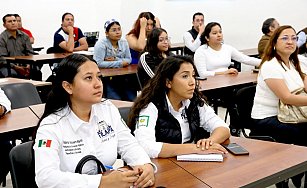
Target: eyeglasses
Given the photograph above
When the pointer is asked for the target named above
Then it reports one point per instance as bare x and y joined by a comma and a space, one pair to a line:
166, 39
286, 38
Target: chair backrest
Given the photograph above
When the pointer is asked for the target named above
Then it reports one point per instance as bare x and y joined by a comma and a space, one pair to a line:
21, 94
240, 112
91, 38
241, 107
22, 163
124, 112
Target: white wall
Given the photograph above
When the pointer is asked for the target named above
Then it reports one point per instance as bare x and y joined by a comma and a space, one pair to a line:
241, 20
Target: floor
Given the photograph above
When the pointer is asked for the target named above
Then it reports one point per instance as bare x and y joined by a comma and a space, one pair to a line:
221, 113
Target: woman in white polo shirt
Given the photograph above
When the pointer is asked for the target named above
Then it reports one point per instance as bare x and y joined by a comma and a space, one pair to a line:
76, 123
280, 73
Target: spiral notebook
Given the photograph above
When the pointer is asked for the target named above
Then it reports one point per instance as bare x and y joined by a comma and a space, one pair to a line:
199, 157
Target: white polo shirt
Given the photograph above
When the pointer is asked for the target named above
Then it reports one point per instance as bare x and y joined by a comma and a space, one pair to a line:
145, 127
63, 139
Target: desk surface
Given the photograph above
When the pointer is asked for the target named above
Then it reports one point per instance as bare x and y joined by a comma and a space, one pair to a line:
41, 57
221, 81
38, 109
4, 81
250, 51
17, 119
267, 164
171, 175
131, 69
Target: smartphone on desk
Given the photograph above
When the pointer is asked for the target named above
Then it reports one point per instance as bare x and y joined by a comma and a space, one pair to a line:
235, 149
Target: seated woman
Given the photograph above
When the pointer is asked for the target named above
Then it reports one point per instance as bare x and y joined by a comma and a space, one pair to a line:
77, 122
214, 57
137, 37
280, 73
170, 111
156, 50
113, 52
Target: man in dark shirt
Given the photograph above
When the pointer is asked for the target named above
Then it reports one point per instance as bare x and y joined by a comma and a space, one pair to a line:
16, 43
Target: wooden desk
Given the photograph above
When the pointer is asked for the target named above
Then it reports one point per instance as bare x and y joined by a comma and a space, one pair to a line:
177, 47
267, 164
171, 175
250, 52
18, 123
222, 81
38, 109
4, 81
35, 59
130, 69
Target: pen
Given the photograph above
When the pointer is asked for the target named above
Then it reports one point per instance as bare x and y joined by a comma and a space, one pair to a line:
109, 167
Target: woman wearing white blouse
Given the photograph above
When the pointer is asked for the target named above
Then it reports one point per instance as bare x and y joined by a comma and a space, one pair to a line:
214, 57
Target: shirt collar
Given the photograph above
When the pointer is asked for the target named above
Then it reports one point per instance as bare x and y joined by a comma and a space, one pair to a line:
76, 122
185, 103
10, 35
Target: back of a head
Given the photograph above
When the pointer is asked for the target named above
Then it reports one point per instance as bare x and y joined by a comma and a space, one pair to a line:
266, 25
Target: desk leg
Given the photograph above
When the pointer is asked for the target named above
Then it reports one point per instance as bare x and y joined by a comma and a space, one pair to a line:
8, 66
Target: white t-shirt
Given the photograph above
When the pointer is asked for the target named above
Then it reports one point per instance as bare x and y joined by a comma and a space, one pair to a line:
63, 139
265, 101
190, 43
208, 61
145, 127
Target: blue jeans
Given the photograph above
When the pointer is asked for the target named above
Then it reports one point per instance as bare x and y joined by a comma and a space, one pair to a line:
281, 132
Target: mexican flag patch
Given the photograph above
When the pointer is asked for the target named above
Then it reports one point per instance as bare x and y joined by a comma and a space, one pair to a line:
44, 143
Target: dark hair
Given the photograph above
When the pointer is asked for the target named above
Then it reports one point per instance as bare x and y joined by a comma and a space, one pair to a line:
65, 14
152, 41
270, 51
110, 25
137, 26
207, 31
58, 98
197, 14
17, 15
266, 25
156, 89
7, 15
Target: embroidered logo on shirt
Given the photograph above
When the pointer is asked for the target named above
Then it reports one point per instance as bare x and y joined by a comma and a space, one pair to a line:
143, 121
105, 131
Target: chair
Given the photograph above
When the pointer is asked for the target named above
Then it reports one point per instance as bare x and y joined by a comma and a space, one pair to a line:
240, 113
91, 38
21, 94
124, 112
22, 163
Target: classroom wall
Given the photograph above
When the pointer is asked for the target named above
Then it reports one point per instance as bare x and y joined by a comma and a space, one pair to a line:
241, 20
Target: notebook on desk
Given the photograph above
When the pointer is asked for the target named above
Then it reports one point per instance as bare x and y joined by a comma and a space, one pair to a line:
199, 157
